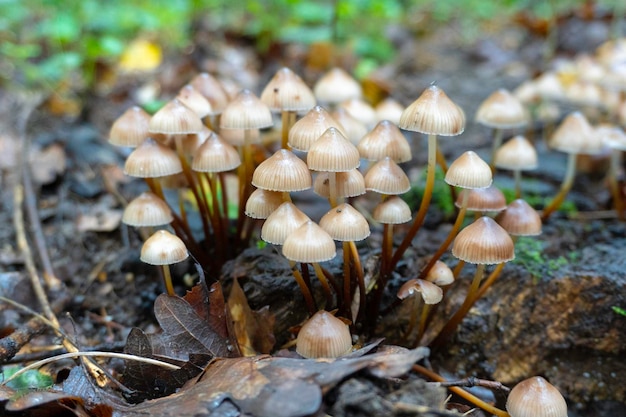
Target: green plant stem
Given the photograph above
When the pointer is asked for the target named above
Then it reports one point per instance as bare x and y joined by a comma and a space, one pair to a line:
462, 393
304, 289
453, 232
421, 214
568, 181
454, 321
167, 279
618, 202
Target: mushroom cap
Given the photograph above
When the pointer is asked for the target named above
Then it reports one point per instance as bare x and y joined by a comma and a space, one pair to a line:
469, 171
286, 91
576, 136
483, 242
352, 128
430, 292
502, 110
344, 223
536, 397
282, 222
393, 210
238, 137
520, 219
349, 184
175, 119
516, 154
386, 177
360, 110
163, 248
440, 274
147, 210
336, 86
323, 336
130, 129
193, 99
151, 160
385, 140
283, 172
309, 243
332, 152
212, 90
433, 113
262, 203
246, 111
612, 136
482, 199
389, 109
310, 127
215, 155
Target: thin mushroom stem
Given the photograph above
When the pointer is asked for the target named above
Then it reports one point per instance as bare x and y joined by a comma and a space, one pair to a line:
347, 279
568, 181
167, 279
457, 269
421, 214
360, 279
304, 289
441, 161
245, 179
497, 141
288, 118
618, 202
332, 188
453, 232
422, 324
454, 321
325, 286
517, 175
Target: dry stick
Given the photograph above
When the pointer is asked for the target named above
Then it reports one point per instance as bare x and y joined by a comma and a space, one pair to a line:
462, 393
568, 181
43, 354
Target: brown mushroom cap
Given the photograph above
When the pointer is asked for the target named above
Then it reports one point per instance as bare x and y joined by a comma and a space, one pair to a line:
351, 128
152, 160
386, 177
516, 154
212, 90
336, 86
389, 109
323, 336
520, 219
193, 99
482, 199
483, 242
344, 223
469, 171
282, 222
175, 119
536, 397
262, 203
433, 113
393, 210
349, 184
502, 110
215, 155
283, 172
385, 140
332, 152
163, 248
440, 274
147, 210
361, 111
309, 128
246, 111
310, 244
131, 128
430, 292
286, 91
575, 135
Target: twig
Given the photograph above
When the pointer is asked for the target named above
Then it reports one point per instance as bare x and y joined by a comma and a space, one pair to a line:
475, 382
90, 354
54, 351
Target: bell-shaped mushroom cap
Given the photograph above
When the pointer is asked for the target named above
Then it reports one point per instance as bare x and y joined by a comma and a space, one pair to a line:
585, 93
361, 111
193, 99
612, 136
147, 210
502, 110
536, 397
469, 171
309, 243
309, 128
323, 336
483, 242
440, 274
517, 154
354, 130
332, 152
433, 113
246, 111
175, 119
393, 210
349, 184
237, 137
282, 222
344, 223
520, 219
386, 177
482, 199
286, 91
283, 172
212, 90
131, 128
152, 160
262, 203
215, 155
336, 86
163, 248
385, 140
430, 292
549, 86
193, 141
575, 135
389, 109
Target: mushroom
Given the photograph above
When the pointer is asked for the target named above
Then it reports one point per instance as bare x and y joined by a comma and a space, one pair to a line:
130, 129
536, 397
164, 248
323, 336
516, 155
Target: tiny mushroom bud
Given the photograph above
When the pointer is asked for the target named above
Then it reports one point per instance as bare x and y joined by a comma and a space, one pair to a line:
323, 336
536, 397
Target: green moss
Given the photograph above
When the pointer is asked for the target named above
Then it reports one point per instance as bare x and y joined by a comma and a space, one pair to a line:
530, 253
441, 199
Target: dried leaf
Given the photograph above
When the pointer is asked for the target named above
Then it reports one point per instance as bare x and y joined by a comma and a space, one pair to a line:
254, 329
100, 221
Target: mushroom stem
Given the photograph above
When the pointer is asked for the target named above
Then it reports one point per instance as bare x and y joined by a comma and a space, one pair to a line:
618, 203
517, 174
418, 306
457, 269
454, 321
441, 161
497, 141
444, 246
304, 289
422, 325
288, 118
347, 279
360, 279
421, 214
325, 287
462, 393
332, 188
568, 181
245, 181
167, 279
387, 249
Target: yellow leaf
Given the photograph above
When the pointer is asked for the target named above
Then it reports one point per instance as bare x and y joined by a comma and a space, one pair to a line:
141, 55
